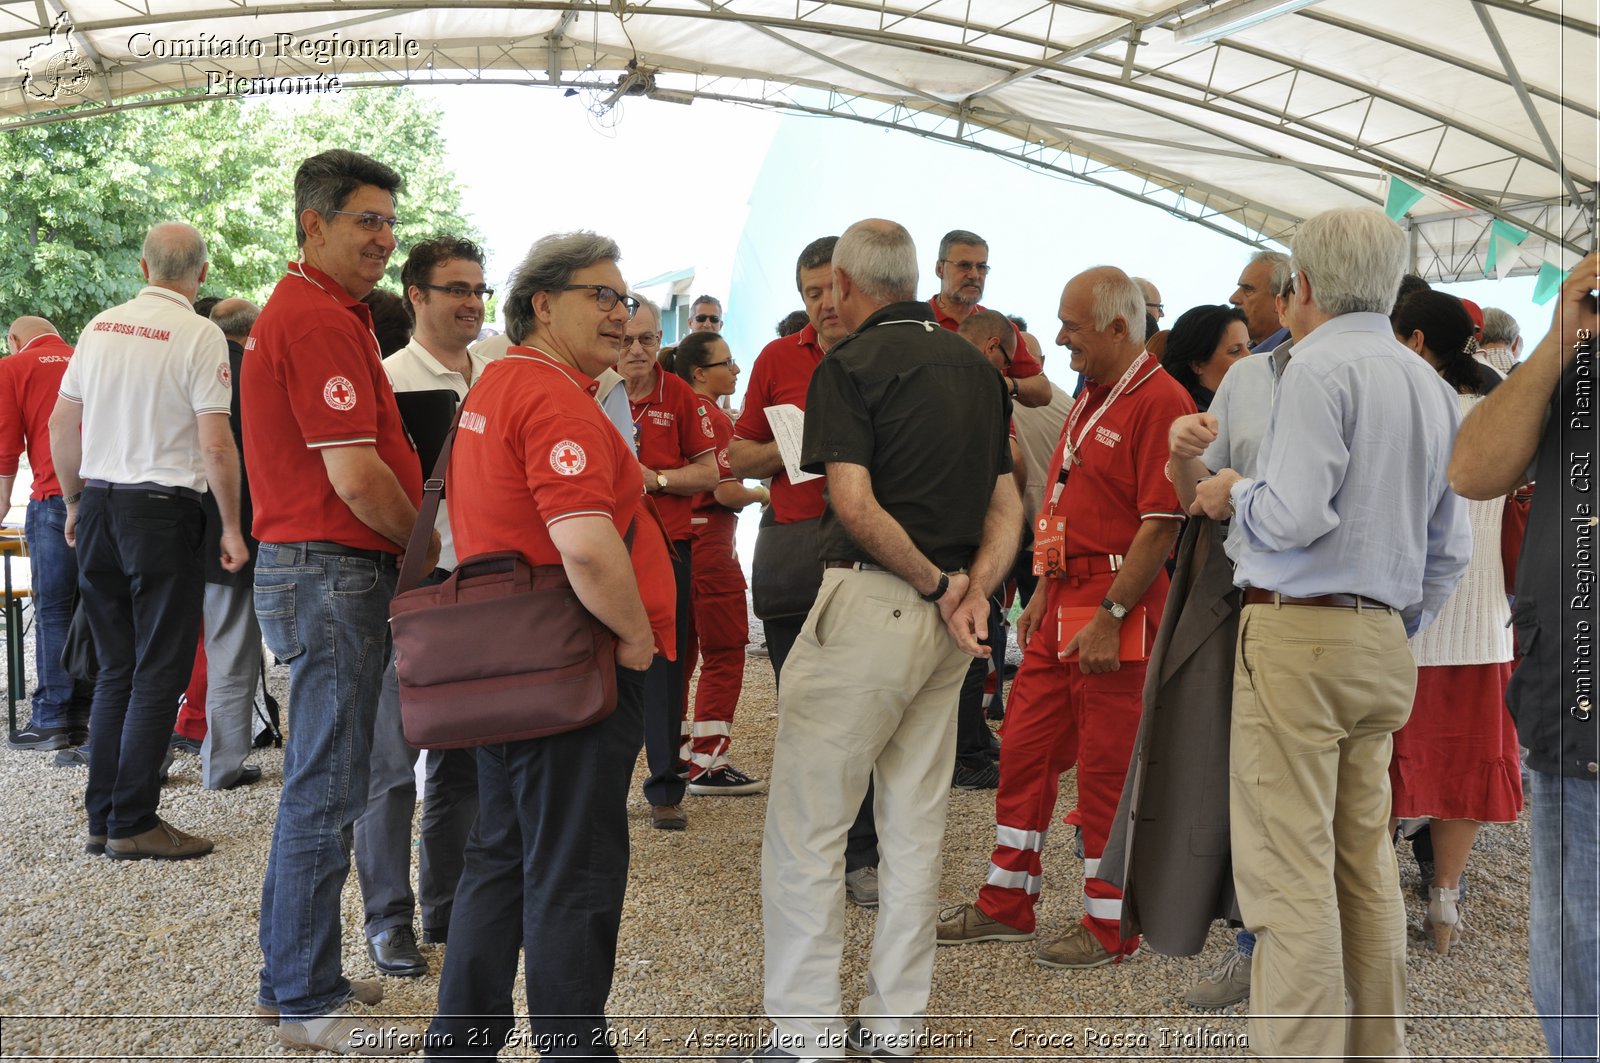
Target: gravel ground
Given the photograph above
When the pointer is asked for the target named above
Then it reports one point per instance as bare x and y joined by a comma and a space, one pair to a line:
158, 960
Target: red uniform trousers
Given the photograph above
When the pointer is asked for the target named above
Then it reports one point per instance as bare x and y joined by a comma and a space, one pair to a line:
721, 631
1058, 717
191, 722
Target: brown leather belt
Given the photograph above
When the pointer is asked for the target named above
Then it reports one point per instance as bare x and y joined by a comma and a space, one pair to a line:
864, 566
1257, 596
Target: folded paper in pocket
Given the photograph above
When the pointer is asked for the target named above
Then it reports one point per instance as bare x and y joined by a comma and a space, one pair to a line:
1071, 619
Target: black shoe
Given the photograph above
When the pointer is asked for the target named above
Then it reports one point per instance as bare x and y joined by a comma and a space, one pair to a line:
435, 935
248, 775
42, 739
984, 778
76, 757
184, 744
395, 952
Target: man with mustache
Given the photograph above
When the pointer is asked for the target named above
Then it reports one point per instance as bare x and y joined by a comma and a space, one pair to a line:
963, 270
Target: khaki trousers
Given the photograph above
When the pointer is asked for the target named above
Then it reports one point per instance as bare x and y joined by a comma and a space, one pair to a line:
869, 692
1317, 693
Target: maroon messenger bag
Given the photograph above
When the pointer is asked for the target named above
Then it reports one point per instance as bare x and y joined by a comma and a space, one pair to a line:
500, 652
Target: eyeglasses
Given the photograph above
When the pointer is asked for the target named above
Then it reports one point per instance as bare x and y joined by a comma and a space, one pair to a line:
1159, 308
460, 291
643, 339
968, 267
605, 296
372, 223
718, 365
705, 318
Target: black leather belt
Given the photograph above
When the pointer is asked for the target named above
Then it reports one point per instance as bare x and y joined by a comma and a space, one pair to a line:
327, 549
863, 566
155, 488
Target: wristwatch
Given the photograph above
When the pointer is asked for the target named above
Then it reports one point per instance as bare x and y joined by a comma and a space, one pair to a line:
938, 591
1117, 611
661, 481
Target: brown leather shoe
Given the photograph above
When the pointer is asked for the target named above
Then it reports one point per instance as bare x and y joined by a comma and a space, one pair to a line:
1076, 951
161, 842
668, 817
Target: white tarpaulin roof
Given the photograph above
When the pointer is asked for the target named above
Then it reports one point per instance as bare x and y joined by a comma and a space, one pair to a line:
1486, 106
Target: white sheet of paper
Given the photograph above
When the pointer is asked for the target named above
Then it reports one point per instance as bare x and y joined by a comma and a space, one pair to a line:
788, 423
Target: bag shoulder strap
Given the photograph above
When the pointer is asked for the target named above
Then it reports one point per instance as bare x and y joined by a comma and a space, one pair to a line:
432, 490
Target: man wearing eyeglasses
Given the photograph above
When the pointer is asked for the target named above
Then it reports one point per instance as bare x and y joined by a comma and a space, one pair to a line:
1153, 306
963, 270
335, 482
444, 297
706, 314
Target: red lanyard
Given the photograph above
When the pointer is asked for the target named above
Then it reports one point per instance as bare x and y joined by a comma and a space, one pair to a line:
1069, 455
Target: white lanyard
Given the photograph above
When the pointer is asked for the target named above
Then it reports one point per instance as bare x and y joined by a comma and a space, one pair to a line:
1069, 456
296, 271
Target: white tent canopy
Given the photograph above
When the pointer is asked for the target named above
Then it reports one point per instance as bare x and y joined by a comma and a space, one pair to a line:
1486, 106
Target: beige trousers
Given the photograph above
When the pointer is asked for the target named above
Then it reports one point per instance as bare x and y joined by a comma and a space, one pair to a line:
1317, 693
869, 692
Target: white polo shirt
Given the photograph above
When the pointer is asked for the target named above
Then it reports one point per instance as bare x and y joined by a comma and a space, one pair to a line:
143, 371
412, 368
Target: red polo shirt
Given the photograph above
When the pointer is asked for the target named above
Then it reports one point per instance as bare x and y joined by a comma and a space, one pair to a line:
30, 382
312, 378
781, 376
1122, 481
535, 449
722, 427
1023, 363
673, 426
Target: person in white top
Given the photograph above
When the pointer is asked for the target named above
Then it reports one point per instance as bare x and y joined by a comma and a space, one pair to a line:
140, 430
444, 296
1456, 760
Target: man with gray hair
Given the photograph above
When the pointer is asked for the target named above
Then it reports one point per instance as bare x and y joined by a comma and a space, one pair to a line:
1349, 540
139, 433
1077, 696
30, 381
1502, 340
335, 482
1264, 276
911, 546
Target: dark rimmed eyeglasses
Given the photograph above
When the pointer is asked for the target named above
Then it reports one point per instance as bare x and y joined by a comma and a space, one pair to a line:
718, 365
460, 291
605, 296
707, 318
372, 223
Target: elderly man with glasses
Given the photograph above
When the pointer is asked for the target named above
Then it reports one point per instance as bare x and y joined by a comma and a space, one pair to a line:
963, 270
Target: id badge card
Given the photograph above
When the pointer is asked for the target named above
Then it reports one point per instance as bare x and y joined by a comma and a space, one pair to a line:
1049, 544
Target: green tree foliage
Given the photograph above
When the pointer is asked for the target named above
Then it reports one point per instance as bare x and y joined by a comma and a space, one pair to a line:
81, 194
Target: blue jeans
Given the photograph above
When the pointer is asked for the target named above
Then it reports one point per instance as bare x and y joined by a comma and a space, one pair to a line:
327, 616
53, 568
1564, 909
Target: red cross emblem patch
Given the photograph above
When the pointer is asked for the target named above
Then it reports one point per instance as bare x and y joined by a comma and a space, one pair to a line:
339, 393
567, 458
224, 375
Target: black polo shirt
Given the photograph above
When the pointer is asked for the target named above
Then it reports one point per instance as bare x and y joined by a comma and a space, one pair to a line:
925, 413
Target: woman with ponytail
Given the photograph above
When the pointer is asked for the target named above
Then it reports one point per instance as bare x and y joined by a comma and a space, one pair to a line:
721, 618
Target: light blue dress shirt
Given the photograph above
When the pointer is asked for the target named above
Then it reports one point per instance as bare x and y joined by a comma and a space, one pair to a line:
1352, 495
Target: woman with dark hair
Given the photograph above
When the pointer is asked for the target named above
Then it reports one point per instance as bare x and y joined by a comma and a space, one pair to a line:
1456, 760
1202, 346
721, 618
